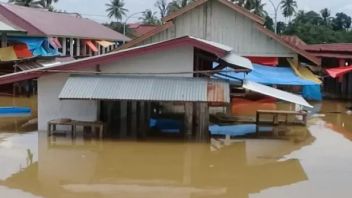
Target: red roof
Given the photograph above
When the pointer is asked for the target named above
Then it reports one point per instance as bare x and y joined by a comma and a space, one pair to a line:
40, 22
295, 41
73, 66
333, 47
141, 29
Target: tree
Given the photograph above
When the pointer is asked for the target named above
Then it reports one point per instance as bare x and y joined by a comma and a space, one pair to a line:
257, 7
149, 17
48, 3
269, 23
341, 21
26, 3
288, 8
281, 27
325, 14
162, 6
116, 9
177, 4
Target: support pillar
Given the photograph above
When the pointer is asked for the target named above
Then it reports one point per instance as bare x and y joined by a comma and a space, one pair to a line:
134, 122
188, 122
64, 46
3, 40
84, 50
123, 119
71, 47
203, 122
78, 47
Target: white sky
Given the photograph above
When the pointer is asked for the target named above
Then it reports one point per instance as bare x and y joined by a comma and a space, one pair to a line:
95, 9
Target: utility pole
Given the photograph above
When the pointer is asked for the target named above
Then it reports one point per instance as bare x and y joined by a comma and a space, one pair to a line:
276, 10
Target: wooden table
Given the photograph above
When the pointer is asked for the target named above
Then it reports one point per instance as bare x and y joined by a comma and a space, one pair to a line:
276, 114
73, 124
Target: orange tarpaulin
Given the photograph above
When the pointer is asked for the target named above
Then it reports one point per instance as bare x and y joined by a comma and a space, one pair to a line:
270, 61
7, 54
22, 51
91, 45
339, 71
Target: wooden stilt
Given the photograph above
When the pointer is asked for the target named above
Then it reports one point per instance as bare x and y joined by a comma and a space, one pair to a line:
134, 119
123, 119
188, 122
203, 123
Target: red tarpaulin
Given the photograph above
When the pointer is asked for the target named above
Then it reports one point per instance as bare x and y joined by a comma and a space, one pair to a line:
271, 61
339, 71
22, 51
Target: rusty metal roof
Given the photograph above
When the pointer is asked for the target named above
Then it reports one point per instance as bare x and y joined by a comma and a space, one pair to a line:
142, 88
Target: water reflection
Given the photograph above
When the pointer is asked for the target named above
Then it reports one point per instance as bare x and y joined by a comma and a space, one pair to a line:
89, 168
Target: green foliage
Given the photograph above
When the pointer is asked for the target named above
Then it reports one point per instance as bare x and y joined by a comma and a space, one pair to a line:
48, 4
314, 28
149, 17
116, 9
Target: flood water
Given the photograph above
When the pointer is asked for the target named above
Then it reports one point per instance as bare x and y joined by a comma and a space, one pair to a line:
314, 164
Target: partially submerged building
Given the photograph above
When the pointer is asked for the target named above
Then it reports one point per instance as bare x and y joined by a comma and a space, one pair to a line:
70, 34
224, 22
124, 88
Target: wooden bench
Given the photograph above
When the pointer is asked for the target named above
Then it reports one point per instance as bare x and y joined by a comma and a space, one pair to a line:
73, 124
277, 113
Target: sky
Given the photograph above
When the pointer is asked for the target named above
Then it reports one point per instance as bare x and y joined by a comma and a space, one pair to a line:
95, 9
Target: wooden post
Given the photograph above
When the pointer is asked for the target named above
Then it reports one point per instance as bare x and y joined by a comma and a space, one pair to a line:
203, 123
78, 47
84, 50
142, 120
133, 122
64, 46
188, 122
123, 119
71, 47
3, 40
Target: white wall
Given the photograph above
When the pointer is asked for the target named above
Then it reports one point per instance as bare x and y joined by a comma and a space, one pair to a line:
50, 107
174, 60
216, 22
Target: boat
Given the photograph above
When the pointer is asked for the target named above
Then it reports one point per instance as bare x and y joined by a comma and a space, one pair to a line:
14, 110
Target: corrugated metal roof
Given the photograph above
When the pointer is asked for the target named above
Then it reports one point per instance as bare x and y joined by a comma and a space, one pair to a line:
40, 21
276, 93
145, 89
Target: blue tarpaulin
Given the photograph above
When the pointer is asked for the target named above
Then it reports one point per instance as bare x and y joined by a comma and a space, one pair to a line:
277, 76
37, 45
271, 76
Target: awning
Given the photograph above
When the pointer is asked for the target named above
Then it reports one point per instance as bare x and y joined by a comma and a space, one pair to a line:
235, 60
339, 71
7, 54
165, 89
276, 93
271, 61
22, 51
39, 46
304, 72
91, 45
105, 43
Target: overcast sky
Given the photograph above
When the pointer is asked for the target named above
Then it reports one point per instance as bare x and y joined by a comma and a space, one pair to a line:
95, 9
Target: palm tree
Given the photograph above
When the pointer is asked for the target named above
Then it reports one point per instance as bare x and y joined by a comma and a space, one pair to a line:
162, 6
26, 3
47, 3
254, 6
325, 14
177, 4
288, 8
149, 18
116, 9
257, 7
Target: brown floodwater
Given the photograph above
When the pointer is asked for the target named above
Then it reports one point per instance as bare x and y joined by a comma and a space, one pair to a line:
314, 164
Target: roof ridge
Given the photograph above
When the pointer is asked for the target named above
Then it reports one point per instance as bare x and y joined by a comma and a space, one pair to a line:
227, 3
